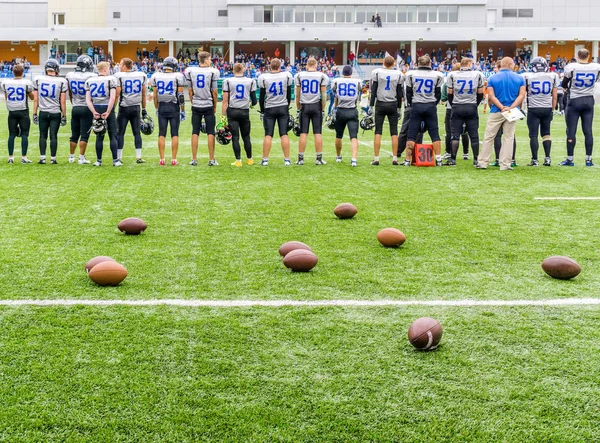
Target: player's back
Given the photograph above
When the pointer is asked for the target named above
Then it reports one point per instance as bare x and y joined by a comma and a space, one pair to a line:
583, 79
310, 83
76, 84
49, 89
240, 90
464, 85
16, 90
202, 80
347, 91
166, 85
424, 83
387, 84
539, 87
132, 84
276, 86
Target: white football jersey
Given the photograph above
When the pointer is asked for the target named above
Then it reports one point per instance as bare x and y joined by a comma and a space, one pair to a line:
276, 86
424, 83
16, 90
583, 79
310, 84
464, 84
539, 86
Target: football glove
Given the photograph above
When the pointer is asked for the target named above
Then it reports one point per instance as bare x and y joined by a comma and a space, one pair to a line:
144, 113
36, 119
261, 116
63, 120
182, 114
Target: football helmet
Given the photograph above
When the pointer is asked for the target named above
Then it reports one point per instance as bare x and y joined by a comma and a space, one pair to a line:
223, 134
171, 63
296, 129
330, 121
539, 64
51, 65
147, 125
290, 123
99, 126
85, 64
367, 123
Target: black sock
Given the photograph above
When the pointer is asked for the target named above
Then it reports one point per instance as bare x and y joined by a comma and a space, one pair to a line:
547, 147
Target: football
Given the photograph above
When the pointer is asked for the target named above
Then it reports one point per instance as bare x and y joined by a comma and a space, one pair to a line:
561, 267
290, 246
391, 237
345, 210
132, 226
108, 273
300, 260
425, 333
94, 261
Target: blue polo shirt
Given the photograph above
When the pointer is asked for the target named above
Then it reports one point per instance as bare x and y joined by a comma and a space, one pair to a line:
506, 84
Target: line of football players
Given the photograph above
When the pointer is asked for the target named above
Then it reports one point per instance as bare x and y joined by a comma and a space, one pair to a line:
95, 95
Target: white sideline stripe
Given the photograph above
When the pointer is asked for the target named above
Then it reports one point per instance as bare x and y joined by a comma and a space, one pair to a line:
566, 198
302, 303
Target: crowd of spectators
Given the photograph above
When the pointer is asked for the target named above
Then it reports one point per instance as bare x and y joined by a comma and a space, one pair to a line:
6, 66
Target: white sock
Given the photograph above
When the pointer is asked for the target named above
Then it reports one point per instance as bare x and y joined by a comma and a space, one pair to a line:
438, 157
42, 157
376, 159
354, 160
72, 156
119, 153
395, 158
81, 157
138, 153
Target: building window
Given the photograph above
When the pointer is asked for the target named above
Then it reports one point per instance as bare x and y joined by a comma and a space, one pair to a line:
259, 13
432, 14
525, 13
320, 14
309, 14
422, 15
222, 13
299, 14
390, 15
277, 14
509, 13
361, 14
58, 19
288, 14
443, 14
453, 14
340, 14
116, 14
329, 14
268, 15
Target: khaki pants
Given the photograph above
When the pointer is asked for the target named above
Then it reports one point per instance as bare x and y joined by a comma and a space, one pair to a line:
496, 121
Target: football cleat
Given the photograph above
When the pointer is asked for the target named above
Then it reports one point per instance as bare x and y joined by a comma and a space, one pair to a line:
287, 163
249, 162
446, 156
264, 162
495, 163
53, 161
83, 161
439, 162
162, 162
25, 160
213, 163
567, 162
98, 163
11, 160
375, 163
338, 159
589, 162
237, 164
395, 162
406, 163
353, 163
450, 162
547, 162
194, 163
466, 157
117, 162
534, 163
139, 161
71, 159
300, 162
320, 161
42, 161
513, 164
174, 162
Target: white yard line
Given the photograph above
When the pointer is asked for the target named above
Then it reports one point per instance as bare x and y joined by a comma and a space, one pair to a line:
566, 198
303, 303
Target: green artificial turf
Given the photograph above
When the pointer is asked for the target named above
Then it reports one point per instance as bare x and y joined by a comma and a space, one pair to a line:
297, 374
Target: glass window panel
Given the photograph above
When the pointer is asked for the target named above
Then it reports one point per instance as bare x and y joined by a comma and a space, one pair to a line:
329, 14
361, 15
320, 14
432, 14
349, 15
259, 16
453, 14
402, 16
277, 14
443, 14
411, 14
299, 14
288, 12
309, 14
525, 13
422, 14
340, 14
390, 16
370, 13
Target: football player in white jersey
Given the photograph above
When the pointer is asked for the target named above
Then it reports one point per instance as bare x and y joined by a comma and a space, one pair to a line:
275, 98
311, 87
81, 116
386, 95
101, 95
202, 87
50, 98
131, 95
239, 93
170, 103
347, 92
16, 92
423, 92
580, 79
542, 94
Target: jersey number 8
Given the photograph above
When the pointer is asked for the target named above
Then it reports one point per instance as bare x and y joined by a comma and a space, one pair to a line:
132, 86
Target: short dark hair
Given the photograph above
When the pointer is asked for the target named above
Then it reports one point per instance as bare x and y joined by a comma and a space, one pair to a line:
18, 70
128, 63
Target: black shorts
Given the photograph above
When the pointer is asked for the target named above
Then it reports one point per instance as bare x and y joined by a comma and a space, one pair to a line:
279, 115
463, 116
129, 114
538, 121
209, 119
346, 117
311, 113
426, 113
81, 122
389, 110
19, 123
168, 116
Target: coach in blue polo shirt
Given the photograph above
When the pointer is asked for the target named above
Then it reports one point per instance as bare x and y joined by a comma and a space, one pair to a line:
506, 90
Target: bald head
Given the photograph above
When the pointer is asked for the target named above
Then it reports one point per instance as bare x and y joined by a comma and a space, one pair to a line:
507, 63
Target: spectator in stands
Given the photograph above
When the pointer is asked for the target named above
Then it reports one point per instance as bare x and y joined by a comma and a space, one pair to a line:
378, 20
79, 51
96, 55
351, 58
90, 52
277, 53
53, 52
156, 52
500, 54
138, 54
332, 53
